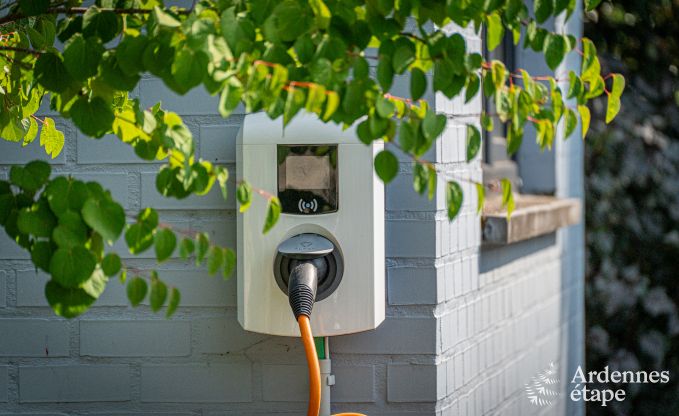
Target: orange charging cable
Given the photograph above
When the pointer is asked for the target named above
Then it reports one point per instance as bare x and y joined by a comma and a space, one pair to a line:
314, 369
312, 362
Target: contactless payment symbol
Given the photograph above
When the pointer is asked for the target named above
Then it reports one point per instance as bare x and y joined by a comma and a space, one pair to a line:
307, 206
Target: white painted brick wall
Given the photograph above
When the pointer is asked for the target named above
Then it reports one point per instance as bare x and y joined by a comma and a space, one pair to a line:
201, 383
74, 383
135, 338
465, 327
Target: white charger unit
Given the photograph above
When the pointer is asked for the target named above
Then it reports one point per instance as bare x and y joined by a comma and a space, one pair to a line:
327, 186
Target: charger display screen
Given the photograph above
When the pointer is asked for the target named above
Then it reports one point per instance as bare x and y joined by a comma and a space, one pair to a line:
307, 179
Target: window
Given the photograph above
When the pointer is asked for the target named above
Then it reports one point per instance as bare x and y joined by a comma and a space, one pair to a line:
496, 163
537, 211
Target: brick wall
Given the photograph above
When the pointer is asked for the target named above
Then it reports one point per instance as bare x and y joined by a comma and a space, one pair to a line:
465, 327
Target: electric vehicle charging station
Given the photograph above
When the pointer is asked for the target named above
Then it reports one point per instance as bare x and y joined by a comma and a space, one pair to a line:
332, 218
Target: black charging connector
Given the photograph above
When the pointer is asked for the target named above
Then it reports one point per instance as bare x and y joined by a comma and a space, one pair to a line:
302, 288
308, 267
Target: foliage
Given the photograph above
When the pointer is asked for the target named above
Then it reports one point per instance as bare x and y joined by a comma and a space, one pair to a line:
278, 57
633, 207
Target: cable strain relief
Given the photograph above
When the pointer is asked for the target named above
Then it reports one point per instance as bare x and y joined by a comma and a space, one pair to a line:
302, 289
301, 300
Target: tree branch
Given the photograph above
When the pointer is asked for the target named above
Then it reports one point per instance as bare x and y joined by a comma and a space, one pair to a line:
16, 49
81, 10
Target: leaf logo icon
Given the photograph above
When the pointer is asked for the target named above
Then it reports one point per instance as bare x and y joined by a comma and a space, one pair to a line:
542, 389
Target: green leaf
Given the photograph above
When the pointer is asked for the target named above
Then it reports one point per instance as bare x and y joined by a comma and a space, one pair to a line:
591, 67
574, 85
617, 88
364, 133
495, 30
244, 195
37, 220
103, 24
203, 246
229, 99
507, 196
136, 290
420, 178
407, 137
50, 72
385, 73
555, 50
94, 118
480, 197
67, 302
558, 104
34, 7
288, 21
404, 55
486, 122
418, 84
585, 117
433, 125
321, 12
31, 177
114, 77
612, 108
322, 71
32, 132
473, 142
71, 231
229, 262
130, 52
7, 207
386, 166
96, 284
111, 264
545, 133
378, 126
454, 198
105, 216
41, 254
188, 68
70, 267
222, 175
186, 248
82, 56
331, 104
591, 4
294, 102
315, 99
273, 212
158, 293
499, 74
139, 237
385, 108
473, 86
16, 129
45, 26
488, 84
165, 19
65, 195
165, 243
543, 9
175, 298
431, 182
618, 85
304, 49
51, 138
571, 122
514, 139
215, 260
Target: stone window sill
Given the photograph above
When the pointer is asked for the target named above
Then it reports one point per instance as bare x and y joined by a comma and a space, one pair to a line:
533, 216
